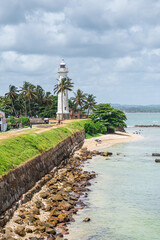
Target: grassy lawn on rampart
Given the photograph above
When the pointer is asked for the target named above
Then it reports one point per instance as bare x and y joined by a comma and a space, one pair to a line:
19, 149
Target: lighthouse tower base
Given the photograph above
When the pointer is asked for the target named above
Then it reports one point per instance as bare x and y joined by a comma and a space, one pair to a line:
65, 116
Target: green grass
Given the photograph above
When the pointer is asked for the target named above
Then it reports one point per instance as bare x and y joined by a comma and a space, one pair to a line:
20, 149
88, 136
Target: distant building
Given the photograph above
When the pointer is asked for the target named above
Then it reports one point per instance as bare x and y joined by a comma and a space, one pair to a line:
3, 124
77, 114
63, 74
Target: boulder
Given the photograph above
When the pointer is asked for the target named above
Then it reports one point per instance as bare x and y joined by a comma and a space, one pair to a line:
157, 160
156, 154
55, 212
39, 204
20, 230
63, 217
40, 229
18, 220
87, 219
105, 154
29, 230
50, 231
35, 211
44, 195
65, 205
58, 197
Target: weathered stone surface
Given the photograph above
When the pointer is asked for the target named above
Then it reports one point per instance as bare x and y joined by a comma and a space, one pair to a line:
18, 220
65, 205
44, 195
63, 217
50, 231
20, 230
29, 230
55, 213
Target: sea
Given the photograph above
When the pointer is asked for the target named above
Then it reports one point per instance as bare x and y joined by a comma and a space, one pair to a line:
124, 200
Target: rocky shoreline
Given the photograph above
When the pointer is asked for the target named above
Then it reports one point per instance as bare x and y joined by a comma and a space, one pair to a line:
48, 213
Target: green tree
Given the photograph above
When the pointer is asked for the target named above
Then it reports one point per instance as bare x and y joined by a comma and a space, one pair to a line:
40, 93
24, 90
12, 94
90, 102
6, 106
79, 99
61, 87
30, 95
109, 116
47, 100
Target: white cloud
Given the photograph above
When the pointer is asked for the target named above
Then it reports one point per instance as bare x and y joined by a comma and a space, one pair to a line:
110, 46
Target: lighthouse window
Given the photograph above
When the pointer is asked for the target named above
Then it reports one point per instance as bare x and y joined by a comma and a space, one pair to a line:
62, 66
65, 108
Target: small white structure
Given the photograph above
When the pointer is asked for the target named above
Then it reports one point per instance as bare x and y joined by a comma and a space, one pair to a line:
62, 71
3, 124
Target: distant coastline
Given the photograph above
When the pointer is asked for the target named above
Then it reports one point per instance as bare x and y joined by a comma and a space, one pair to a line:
138, 108
148, 126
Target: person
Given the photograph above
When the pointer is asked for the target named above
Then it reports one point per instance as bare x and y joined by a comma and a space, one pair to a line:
59, 121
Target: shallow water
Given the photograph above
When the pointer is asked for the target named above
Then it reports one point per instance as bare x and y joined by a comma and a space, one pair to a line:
142, 119
124, 201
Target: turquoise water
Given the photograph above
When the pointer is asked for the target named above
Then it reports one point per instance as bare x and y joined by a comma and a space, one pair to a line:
143, 119
124, 201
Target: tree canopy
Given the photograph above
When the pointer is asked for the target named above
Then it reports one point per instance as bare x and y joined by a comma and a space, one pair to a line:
28, 100
109, 116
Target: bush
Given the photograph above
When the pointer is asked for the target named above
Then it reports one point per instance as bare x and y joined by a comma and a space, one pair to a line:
12, 119
100, 128
25, 121
8, 126
92, 128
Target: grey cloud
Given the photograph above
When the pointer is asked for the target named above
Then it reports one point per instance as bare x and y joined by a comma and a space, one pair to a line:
15, 11
110, 46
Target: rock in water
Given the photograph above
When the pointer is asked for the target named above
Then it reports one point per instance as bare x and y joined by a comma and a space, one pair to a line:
87, 219
156, 154
157, 160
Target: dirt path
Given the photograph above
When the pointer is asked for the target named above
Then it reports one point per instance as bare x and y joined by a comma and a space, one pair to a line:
36, 129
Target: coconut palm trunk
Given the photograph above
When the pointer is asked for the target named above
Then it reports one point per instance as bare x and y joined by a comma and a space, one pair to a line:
29, 107
62, 104
25, 106
13, 107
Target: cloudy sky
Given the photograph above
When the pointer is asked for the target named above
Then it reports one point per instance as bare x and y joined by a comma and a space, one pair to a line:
111, 47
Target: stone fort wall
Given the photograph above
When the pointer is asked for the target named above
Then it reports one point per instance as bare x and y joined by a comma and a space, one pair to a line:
23, 178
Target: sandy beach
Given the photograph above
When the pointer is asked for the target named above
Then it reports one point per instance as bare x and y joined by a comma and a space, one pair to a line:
109, 140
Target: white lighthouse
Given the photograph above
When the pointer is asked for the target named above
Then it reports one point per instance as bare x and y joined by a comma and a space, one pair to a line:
62, 73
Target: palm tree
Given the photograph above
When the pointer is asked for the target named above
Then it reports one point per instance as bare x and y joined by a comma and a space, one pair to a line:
61, 87
79, 99
12, 94
90, 102
40, 94
24, 90
30, 94
48, 98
